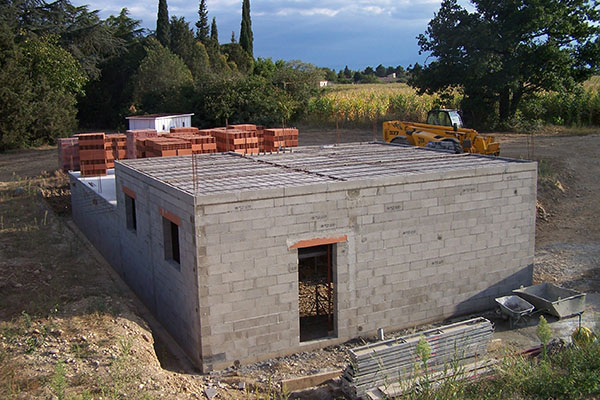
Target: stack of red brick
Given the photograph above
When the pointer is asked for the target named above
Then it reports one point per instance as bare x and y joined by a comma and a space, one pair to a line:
202, 142
274, 139
133, 150
68, 154
116, 148
94, 153
235, 140
165, 147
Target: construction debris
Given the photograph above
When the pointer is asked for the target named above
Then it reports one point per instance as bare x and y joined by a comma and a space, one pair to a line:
380, 367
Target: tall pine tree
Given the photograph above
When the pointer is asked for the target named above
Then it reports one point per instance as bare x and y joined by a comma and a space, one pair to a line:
162, 23
246, 37
202, 29
214, 34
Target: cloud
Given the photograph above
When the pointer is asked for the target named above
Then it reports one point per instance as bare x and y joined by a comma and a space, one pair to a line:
328, 33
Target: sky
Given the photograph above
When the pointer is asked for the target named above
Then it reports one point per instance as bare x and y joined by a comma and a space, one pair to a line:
327, 33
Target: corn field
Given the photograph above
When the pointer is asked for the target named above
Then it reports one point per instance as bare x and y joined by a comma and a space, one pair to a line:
368, 105
356, 105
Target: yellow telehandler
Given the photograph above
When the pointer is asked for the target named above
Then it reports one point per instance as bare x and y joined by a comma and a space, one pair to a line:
443, 130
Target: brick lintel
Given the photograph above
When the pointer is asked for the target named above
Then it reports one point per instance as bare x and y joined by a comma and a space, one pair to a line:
319, 241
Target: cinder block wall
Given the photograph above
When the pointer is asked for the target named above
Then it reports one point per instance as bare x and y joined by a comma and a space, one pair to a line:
419, 248
97, 219
167, 288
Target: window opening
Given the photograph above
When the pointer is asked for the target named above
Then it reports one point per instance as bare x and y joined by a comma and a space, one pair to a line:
316, 292
171, 241
130, 213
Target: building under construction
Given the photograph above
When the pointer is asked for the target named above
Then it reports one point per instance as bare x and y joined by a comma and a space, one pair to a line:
246, 257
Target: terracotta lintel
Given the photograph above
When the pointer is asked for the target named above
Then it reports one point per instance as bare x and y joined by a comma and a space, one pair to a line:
170, 216
319, 241
128, 192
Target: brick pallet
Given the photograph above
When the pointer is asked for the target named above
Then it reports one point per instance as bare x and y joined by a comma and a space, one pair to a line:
133, 135
116, 148
187, 131
201, 144
244, 142
165, 147
68, 154
274, 139
92, 154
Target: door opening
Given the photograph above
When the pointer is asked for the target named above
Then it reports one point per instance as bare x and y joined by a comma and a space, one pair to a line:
316, 292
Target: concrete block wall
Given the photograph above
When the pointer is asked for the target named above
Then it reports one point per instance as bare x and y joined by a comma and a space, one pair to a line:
169, 289
97, 219
418, 248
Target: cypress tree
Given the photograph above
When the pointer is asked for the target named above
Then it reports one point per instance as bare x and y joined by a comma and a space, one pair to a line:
214, 34
162, 23
246, 37
232, 37
202, 29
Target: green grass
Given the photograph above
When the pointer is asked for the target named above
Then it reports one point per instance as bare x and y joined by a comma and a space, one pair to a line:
571, 373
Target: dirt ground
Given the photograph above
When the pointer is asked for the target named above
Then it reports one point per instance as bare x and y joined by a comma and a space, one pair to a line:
69, 331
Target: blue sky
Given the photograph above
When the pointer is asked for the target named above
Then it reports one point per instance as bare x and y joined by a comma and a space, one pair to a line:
327, 33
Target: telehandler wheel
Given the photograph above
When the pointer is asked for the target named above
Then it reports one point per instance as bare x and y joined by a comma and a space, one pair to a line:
400, 140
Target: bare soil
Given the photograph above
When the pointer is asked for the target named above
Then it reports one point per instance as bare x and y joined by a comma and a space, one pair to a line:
67, 330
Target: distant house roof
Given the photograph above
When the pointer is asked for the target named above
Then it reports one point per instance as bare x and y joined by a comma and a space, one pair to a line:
156, 116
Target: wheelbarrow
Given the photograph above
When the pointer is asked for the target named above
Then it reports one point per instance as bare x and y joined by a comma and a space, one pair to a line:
514, 308
554, 300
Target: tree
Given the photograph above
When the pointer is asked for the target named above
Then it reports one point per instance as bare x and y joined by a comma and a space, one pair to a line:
160, 72
192, 51
233, 37
108, 98
162, 23
246, 36
330, 75
358, 76
79, 31
237, 55
381, 71
39, 82
299, 80
504, 51
348, 73
202, 29
214, 33
369, 71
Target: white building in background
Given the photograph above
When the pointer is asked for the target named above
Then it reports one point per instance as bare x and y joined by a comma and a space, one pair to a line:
160, 122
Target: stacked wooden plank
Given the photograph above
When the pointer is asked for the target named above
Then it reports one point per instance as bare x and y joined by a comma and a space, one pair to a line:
133, 135
68, 154
391, 361
165, 147
275, 139
92, 154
